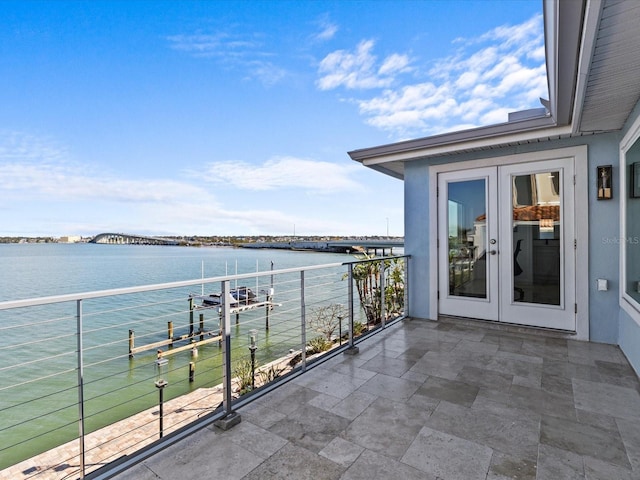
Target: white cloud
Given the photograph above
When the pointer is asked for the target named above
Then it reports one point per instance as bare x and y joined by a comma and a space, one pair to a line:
467, 80
35, 166
203, 45
268, 73
328, 30
414, 105
19, 146
67, 182
220, 44
43, 191
285, 172
245, 52
485, 78
357, 69
516, 35
537, 54
394, 63
72, 197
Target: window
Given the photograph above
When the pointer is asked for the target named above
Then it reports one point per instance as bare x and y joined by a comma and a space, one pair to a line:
630, 221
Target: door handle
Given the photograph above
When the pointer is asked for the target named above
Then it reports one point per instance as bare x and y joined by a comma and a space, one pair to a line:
493, 252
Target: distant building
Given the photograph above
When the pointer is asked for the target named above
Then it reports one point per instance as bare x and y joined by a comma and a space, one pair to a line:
70, 239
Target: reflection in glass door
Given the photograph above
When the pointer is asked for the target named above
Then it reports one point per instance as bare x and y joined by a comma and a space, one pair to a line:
467, 232
536, 235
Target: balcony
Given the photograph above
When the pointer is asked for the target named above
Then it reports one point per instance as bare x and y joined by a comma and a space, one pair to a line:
432, 400
445, 400
90, 379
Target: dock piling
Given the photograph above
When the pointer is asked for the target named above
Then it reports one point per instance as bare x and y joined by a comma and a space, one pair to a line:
191, 307
266, 314
132, 336
192, 371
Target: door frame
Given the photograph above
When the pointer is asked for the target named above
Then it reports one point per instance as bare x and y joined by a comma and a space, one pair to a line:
579, 154
486, 307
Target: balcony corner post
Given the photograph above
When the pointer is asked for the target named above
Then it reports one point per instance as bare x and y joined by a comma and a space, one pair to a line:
351, 349
303, 326
383, 299
406, 287
230, 418
81, 415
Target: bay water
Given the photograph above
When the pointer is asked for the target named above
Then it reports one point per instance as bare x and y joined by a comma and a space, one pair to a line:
38, 270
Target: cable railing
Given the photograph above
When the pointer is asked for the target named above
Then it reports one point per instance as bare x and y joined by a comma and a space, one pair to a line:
91, 383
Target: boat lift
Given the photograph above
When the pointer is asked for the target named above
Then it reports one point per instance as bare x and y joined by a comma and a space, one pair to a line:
241, 299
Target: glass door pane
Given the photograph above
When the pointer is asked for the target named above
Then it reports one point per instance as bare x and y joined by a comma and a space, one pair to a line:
536, 230
467, 238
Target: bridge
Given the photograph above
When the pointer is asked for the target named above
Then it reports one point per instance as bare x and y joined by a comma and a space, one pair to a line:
370, 245
126, 239
334, 246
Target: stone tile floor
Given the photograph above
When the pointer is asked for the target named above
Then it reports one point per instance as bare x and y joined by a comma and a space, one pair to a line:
427, 400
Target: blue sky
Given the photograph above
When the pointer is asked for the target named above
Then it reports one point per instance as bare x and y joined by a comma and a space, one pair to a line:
235, 118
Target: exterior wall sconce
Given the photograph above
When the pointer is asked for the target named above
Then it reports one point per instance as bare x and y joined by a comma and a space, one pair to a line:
605, 177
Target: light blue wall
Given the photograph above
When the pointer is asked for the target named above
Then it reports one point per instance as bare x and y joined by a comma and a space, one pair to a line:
603, 228
604, 242
629, 330
630, 340
416, 236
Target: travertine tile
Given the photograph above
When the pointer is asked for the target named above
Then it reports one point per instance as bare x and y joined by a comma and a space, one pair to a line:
421, 401
447, 456
584, 439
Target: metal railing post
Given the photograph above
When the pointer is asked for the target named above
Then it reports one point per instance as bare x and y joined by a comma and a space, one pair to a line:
230, 418
383, 312
351, 349
406, 286
303, 320
80, 388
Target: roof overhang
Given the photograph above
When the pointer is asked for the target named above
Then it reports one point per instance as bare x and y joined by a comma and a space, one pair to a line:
390, 158
564, 34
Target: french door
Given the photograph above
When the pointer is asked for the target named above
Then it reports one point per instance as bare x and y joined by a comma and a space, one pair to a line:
506, 244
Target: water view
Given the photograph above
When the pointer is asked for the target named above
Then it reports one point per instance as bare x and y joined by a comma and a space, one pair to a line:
41, 355
35, 270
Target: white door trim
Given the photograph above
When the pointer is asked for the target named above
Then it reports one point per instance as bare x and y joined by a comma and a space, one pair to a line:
460, 305
580, 156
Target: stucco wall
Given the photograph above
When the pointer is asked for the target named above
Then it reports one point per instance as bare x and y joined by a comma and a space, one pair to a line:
603, 229
630, 340
629, 330
416, 236
604, 239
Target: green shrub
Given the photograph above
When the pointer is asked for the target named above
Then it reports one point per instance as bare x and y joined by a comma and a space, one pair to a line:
318, 345
270, 374
243, 373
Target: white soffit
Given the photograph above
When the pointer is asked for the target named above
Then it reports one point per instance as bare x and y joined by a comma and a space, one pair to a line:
612, 87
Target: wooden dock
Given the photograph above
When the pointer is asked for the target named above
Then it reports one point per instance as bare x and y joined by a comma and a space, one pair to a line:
200, 337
